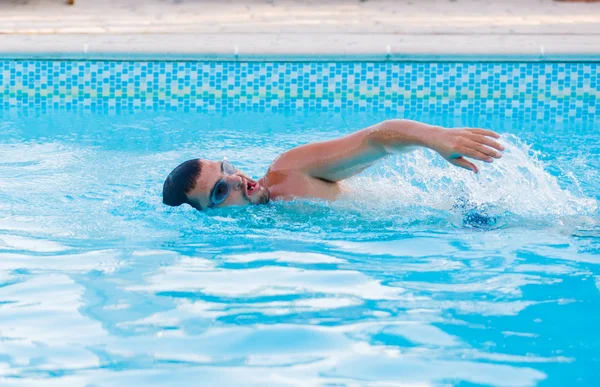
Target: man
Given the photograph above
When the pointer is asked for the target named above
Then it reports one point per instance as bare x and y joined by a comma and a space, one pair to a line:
316, 170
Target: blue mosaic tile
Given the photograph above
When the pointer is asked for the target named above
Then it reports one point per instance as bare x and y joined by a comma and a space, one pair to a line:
538, 91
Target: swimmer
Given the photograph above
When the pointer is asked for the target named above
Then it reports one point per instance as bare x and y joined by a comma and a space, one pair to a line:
317, 170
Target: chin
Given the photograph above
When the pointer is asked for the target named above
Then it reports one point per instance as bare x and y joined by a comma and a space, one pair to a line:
261, 197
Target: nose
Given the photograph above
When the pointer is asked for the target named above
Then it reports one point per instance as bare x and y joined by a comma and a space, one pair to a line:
235, 182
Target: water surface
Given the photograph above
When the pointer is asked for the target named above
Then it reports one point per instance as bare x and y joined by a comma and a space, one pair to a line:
399, 282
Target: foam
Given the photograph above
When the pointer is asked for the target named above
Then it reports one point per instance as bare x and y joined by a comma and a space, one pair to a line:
517, 183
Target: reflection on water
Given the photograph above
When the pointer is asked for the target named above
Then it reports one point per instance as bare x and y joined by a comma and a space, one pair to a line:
102, 285
278, 315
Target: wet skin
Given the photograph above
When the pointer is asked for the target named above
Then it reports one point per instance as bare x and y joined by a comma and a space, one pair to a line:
316, 170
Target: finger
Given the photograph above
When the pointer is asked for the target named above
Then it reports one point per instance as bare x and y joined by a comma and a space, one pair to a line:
483, 149
487, 141
475, 154
464, 163
485, 132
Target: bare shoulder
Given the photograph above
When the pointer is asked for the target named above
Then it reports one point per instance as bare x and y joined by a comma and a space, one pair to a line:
290, 160
289, 183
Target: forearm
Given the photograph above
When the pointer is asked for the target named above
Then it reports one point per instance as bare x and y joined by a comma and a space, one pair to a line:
399, 136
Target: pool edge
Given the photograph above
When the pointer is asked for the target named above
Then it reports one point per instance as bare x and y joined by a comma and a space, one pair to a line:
302, 48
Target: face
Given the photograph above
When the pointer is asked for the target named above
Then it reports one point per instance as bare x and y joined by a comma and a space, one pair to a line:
242, 190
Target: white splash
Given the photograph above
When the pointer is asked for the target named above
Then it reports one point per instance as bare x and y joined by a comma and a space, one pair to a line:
516, 183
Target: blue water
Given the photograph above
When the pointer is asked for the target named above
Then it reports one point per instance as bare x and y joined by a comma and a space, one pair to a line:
422, 274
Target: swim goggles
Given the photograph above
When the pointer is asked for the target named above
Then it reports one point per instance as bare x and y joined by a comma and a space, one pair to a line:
220, 191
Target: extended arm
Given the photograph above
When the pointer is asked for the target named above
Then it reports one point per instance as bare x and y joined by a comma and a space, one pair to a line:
344, 157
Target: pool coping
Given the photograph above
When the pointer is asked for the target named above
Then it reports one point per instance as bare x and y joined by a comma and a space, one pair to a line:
302, 48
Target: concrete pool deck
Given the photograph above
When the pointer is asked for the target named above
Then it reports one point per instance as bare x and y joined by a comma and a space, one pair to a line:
284, 29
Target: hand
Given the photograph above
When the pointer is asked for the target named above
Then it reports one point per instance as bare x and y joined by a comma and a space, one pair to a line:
479, 144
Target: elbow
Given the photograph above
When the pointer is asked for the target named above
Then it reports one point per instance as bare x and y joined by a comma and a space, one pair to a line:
376, 139
396, 136
381, 136
395, 121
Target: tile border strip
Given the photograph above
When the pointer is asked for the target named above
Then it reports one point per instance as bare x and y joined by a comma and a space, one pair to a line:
544, 92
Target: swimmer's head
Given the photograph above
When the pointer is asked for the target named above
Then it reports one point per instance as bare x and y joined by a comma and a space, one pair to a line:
210, 184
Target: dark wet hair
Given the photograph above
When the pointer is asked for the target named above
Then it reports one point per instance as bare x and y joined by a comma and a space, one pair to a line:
180, 182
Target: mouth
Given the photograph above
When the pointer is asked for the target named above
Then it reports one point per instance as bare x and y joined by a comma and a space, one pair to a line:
250, 188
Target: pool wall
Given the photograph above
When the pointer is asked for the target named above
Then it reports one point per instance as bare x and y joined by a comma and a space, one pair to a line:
535, 91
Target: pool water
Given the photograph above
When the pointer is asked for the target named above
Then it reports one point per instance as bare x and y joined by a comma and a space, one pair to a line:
422, 274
